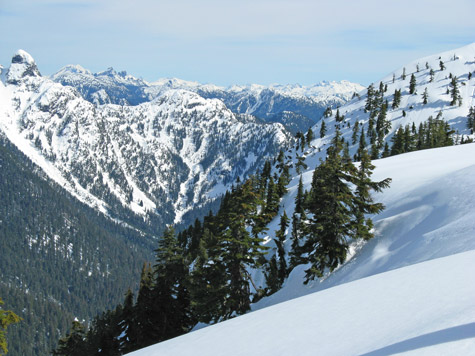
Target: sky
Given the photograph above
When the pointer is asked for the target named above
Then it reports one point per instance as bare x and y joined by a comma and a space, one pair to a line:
235, 42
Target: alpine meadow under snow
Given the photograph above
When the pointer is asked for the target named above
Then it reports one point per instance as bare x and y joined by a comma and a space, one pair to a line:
410, 289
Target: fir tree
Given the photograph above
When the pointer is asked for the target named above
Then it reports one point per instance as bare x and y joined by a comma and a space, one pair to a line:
354, 136
454, 92
441, 65
425, 96
280, 243
363, 203
396, 99
310, 136
412, 84
337, 214
323, 129
403, 75
73, 344
431, 73
471, 119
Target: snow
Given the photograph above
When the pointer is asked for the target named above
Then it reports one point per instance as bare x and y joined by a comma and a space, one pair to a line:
423, 309
407, 291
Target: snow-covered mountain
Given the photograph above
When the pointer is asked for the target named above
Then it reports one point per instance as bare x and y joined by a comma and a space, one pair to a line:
304, 104
409, 289
146, 164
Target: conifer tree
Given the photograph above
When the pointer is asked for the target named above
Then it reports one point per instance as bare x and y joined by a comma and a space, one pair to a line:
73, 344
297, 226
403, 75
431, 74
412, 84
337, 214
425, 96
386, 151
327, 230
310, 136
471, 119
323, 129
397, 98
441, 65
454, 92
354, 136
363, 203
280, 243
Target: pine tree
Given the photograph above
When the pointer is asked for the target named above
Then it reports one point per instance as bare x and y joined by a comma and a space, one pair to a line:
74, 343
397, 98
431, 73
441, 65
386, 151
297, 226
454, 92
363, 203
403, 75
310, 136
280, 243
171, 309
425, 96
7, 317
327, 230
323, 129
412, 84
471, 119
369, 98
354, 136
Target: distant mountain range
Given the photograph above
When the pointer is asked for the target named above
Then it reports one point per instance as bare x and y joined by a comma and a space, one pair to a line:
296, 107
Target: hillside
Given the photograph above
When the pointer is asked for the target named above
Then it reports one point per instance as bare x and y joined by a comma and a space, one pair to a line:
404, 291
59, 258
428, 225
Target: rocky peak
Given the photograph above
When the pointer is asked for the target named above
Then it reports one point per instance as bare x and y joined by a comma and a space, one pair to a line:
23, 65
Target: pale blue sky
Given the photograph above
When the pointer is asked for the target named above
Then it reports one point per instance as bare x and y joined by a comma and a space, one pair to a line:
226, 42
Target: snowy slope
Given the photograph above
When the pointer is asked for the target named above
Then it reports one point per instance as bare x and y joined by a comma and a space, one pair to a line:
458, 62
409, 289
417, 297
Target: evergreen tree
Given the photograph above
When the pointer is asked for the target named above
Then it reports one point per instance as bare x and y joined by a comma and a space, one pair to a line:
354, 136
363, 203
310, 136
7, 317
403, 75
280, 244
431, 73
297, 226
328, 112
412, 84
369, 98
327, 230
441, 65
397, 98
73, 344
323, 129
471, 119
454, 92
425, 96
337, 214
170, 309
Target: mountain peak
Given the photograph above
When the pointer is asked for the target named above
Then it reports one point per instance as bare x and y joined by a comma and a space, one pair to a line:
23, 65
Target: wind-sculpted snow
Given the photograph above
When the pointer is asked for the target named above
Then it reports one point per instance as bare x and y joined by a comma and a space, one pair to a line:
154, 161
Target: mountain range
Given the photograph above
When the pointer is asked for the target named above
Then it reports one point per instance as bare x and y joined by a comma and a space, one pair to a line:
143, 155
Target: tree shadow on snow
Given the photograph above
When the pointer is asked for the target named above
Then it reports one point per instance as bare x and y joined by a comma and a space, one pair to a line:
455, 333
